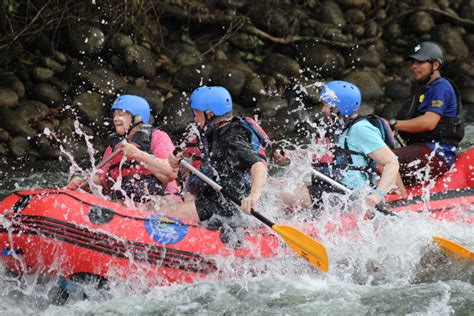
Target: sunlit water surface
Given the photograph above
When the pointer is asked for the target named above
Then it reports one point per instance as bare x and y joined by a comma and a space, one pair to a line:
387, 266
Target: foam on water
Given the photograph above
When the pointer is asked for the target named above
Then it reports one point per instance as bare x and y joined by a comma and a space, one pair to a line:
387, 265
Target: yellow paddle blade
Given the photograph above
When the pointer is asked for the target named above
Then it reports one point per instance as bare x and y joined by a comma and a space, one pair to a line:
455, 248
305, 246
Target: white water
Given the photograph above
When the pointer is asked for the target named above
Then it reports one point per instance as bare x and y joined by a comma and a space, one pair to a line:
388, 266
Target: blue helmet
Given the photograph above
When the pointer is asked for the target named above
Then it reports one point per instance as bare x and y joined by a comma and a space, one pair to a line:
214, 99
136, 105
343, 95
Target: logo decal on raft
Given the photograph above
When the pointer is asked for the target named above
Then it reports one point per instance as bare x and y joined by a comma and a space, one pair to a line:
165, 230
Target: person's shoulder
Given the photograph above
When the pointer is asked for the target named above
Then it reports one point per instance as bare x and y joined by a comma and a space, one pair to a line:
158, 133
442, 83
364, 128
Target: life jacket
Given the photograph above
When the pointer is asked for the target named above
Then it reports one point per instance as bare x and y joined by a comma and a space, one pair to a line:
342, 157
450, 130
259, 141
137, 181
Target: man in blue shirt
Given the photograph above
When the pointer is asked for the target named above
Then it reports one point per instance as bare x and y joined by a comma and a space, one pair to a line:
431, 122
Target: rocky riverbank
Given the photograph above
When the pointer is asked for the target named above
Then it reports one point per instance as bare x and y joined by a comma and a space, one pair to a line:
273, 56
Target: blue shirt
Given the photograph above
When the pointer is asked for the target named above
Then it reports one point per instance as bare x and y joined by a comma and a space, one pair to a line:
440, 98
364, 138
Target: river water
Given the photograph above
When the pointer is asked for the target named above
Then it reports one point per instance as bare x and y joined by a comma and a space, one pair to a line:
391, 267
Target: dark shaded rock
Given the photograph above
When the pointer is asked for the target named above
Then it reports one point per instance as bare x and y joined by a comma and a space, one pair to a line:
367, 83
421, 23
103, 80
48, 94
190, 77
183, 53
331, 13
20, 147
451, 40
41, 74
119, 42
53, 65
468, 95
364, 57
226, 74
245, 41
87, 40
322, 59
354, 16
397, 90
392, 31
270, 19
282, 64
32, 110
42, 125
140, 60
253, 91
45, 148
15, 124
466, 10
176, 114
8, 98
269, 105
11, 81
4, 135
91, 106
153, 97
363, 5
371, 28
60, 57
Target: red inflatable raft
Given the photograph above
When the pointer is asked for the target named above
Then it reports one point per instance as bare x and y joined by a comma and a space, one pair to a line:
67, 233
447, 198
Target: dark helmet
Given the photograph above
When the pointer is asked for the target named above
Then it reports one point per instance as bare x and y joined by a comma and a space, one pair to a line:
427, 51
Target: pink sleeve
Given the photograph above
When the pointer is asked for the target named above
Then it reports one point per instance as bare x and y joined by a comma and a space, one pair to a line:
105, 168
161, 144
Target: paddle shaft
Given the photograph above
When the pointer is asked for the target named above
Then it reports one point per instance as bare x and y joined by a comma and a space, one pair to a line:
345, 189
303, 245
219, 188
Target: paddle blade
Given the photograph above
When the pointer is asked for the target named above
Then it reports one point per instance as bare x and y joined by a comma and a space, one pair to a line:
305, 246
454, 248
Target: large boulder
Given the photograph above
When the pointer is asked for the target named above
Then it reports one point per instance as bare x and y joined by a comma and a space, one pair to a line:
140, 60
8, 98
367, 83
87, 40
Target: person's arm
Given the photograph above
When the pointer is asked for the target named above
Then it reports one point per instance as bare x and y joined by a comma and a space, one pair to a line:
258, 173
388, 162
424, 123
159, 167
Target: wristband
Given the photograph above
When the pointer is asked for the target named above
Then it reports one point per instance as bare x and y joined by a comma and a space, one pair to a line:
380, 192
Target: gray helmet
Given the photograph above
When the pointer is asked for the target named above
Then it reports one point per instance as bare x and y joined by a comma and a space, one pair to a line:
427, 51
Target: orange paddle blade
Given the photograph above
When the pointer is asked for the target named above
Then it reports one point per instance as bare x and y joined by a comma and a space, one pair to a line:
305, 246
454, 248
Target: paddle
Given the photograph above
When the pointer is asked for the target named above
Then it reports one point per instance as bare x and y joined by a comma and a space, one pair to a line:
345, 189
100, 165
454, 248
305, 246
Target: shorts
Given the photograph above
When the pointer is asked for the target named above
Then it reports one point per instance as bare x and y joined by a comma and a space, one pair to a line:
416, 165
213, 203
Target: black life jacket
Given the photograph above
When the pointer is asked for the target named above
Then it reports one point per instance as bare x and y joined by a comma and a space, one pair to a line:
450, 130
